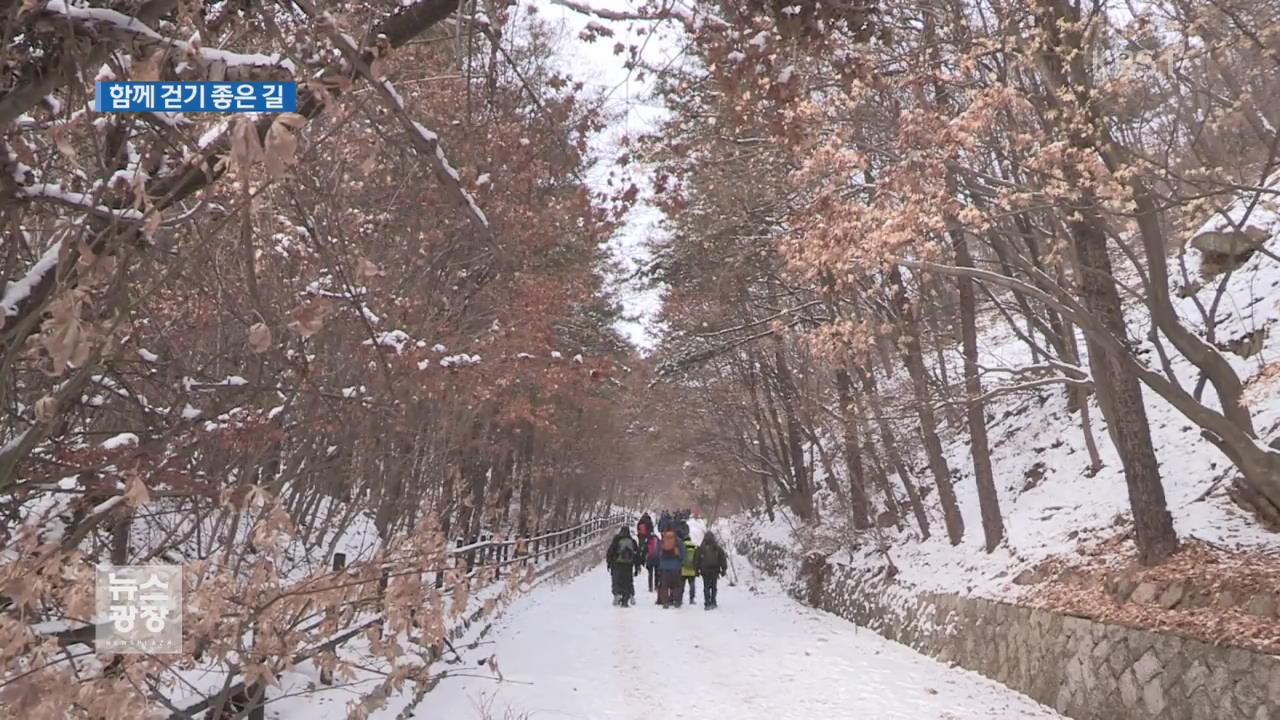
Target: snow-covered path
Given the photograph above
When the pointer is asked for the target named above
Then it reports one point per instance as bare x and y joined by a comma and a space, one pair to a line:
566, 652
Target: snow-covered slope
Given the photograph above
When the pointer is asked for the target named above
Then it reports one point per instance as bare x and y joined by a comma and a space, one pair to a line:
1051, 505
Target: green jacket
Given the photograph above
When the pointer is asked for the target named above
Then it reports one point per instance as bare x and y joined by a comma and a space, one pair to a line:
689, 569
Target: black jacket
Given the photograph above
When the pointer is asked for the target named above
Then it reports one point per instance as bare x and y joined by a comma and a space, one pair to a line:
614, 547
710, 559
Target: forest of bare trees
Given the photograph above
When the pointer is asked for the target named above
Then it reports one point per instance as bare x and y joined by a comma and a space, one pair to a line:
233, 343
861, 191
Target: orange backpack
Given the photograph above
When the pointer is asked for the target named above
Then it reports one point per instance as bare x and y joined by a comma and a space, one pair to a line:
669, 543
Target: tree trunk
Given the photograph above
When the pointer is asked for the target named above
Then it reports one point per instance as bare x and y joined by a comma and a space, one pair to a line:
988, 498
803, 500
1125, 413
120, 539
891, 451
525, 470
914, 358
853, 454
1064, 69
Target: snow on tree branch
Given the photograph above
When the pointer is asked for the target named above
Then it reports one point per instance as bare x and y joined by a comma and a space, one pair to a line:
690, 18
426, 142
103, 20
53, 192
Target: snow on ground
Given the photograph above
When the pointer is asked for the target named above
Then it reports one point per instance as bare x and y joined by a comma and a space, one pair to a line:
1050, 505
566, 653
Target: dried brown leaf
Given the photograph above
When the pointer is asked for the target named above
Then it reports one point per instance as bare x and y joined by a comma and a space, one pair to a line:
282, 144
24, 153
147, 70
367, 269
65, 338
259, 338
94, 270
64, 146
135, 490
47, 409
308, 319
246, 147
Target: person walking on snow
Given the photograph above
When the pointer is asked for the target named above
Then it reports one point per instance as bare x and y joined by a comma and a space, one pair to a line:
689, 571
712, 564
650, 550
621, 563
671, 554
682, 529
644, 529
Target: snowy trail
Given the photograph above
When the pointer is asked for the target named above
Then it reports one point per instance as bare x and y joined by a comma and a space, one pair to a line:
567, 653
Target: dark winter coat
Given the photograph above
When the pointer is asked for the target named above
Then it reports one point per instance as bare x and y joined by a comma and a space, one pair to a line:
644, 528
619, 542
710, 558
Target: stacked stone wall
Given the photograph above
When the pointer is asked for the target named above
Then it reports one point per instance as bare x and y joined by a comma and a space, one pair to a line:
1086, 669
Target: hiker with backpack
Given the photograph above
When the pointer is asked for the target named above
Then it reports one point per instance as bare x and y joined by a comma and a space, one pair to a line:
671, 554
682, 529
712, 563
650, 550
621, 563
689, 570
644, 529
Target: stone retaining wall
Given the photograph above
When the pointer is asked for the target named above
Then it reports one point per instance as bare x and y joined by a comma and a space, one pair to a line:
1088, 670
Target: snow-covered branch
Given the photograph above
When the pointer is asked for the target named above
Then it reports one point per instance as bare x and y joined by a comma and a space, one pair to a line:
424, 141
690, 18
53, 192
17, 291
216, 62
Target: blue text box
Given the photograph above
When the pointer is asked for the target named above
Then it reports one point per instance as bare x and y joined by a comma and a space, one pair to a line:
196, 97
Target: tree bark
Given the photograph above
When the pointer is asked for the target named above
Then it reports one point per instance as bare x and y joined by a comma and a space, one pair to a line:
1153, 525
1063, 67
988, 498
858, 502
803, 496
525, 470
891, 451
913, 356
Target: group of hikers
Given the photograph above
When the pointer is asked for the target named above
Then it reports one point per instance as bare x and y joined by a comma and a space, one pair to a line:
672, 559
